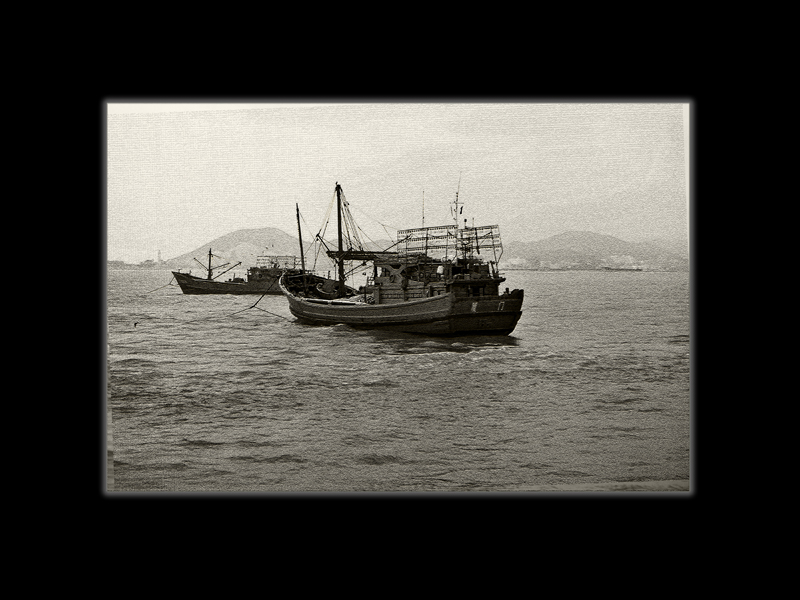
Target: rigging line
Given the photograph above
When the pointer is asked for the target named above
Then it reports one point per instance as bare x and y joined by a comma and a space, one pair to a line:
310, 245
326, 219
386, 231
350, 224
316, 255
355, 233
358, 267
349, 227
347, 221
371, 218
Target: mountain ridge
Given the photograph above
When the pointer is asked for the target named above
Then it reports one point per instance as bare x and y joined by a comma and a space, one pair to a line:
589, 250
241, 245
572, 249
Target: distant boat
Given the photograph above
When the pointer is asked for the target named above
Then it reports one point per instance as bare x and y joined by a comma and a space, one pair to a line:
409, 290
261, 279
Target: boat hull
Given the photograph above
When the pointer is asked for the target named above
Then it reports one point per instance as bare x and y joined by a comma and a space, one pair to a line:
444, 315
195, 285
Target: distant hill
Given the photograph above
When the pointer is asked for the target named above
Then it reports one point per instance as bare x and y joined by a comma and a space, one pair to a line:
587, 250
243, 245
568, 250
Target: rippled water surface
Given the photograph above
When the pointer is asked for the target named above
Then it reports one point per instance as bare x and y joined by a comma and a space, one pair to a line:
590, 390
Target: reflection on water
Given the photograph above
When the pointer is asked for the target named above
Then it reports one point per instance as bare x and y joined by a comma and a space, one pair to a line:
400, 343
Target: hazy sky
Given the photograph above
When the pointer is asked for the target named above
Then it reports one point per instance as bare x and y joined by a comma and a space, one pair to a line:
181, 175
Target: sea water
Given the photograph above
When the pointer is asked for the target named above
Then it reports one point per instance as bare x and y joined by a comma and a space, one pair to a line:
220, 393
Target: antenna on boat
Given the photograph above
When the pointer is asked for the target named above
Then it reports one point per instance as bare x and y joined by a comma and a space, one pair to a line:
456, 211
423, 208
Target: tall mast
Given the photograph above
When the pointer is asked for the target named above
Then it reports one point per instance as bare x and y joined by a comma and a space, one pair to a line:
341, 249
302, 257
423, 222
459, 239
458, 189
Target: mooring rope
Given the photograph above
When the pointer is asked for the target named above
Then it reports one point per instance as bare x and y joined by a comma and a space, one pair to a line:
229, 314
271, 313
241, 311
163, 286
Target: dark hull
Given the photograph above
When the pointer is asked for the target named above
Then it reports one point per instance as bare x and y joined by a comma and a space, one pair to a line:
196, 285
444, 315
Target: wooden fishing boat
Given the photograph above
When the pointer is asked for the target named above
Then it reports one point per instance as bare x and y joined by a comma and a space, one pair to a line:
411, 291
261, 279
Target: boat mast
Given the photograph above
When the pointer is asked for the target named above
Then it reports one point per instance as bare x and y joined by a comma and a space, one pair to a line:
423, 222
341, 249
302, 257
457, 214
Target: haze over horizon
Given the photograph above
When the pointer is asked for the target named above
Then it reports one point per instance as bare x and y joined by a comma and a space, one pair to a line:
180, 176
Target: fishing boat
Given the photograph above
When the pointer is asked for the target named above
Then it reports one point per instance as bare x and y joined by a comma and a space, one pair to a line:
260, 279
414, 289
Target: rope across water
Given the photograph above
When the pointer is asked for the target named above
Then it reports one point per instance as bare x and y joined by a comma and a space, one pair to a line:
255, 305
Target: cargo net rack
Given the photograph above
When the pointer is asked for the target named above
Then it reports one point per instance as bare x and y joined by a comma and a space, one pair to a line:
278, 262
454, 241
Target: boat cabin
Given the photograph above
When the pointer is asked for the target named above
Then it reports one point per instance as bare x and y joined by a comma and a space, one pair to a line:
418, 276
269, 267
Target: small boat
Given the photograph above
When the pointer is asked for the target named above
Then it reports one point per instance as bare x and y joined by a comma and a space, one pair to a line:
411, 291
261, 279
